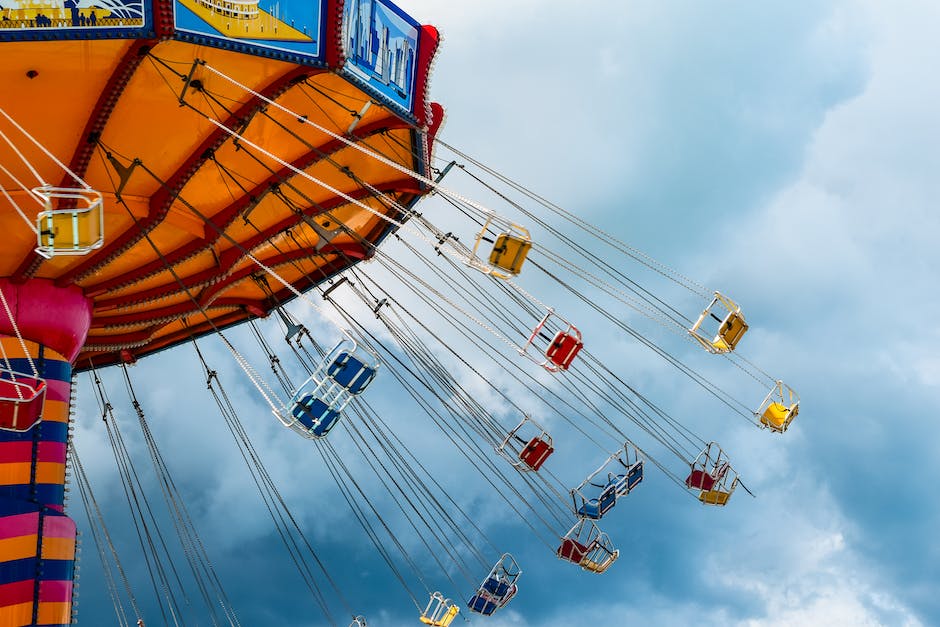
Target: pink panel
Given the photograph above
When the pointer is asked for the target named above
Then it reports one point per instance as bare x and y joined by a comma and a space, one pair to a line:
58, 390
19, 525
55, 591
49, 451
58, 527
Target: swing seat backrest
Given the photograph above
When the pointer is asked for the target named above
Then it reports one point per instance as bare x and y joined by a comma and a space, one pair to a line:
624, 483
535, 453
509, 252
482, 604
69, 230
350, 373
730, 332
596, 508
439, 614
496, 587
309, 410
563, 349
316, 416
571, 550
634, 475
700, 480
607, 499
444, 620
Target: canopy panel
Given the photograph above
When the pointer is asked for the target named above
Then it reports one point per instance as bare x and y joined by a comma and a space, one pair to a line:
208, 150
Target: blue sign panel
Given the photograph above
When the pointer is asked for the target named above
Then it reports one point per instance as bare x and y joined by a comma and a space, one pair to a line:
381, 45
282, 28
67, 19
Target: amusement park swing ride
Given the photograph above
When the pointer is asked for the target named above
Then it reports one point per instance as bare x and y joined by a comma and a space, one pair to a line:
170, 170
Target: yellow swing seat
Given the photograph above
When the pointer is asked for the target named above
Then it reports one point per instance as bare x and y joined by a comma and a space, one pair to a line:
509, 252
779, 408
601, 565
588, 547
510, 248
778, 416
444, 620
714, 497
72, 222
712, 475
440, 612
731, 326
730, 333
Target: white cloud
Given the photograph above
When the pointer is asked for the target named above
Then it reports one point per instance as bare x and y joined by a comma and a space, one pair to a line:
798, 565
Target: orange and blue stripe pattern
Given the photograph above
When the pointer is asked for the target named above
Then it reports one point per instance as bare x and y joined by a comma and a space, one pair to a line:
37, 540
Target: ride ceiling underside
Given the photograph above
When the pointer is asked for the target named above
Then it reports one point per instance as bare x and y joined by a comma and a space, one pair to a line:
185, 203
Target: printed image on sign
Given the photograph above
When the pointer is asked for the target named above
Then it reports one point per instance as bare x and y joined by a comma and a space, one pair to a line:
291, 26
19, 15
381, 45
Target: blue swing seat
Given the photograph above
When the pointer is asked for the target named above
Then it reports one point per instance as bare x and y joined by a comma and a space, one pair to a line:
314, 414
482, 604
350, 373
596, 508
623, 484
635, 475
495, 586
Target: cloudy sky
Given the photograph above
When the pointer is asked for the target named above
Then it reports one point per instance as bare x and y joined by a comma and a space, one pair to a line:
785, 154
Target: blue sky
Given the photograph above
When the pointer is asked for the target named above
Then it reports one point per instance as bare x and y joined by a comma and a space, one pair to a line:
786, 155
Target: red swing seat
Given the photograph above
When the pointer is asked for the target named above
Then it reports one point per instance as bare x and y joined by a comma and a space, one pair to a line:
571, 550
700, 480
564, 348
21, 400
535, 453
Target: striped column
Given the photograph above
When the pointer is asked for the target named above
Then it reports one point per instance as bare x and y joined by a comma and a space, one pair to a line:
37, 538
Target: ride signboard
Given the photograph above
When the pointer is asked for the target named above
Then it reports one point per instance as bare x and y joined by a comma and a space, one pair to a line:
291, 29
381, 48
73, 19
